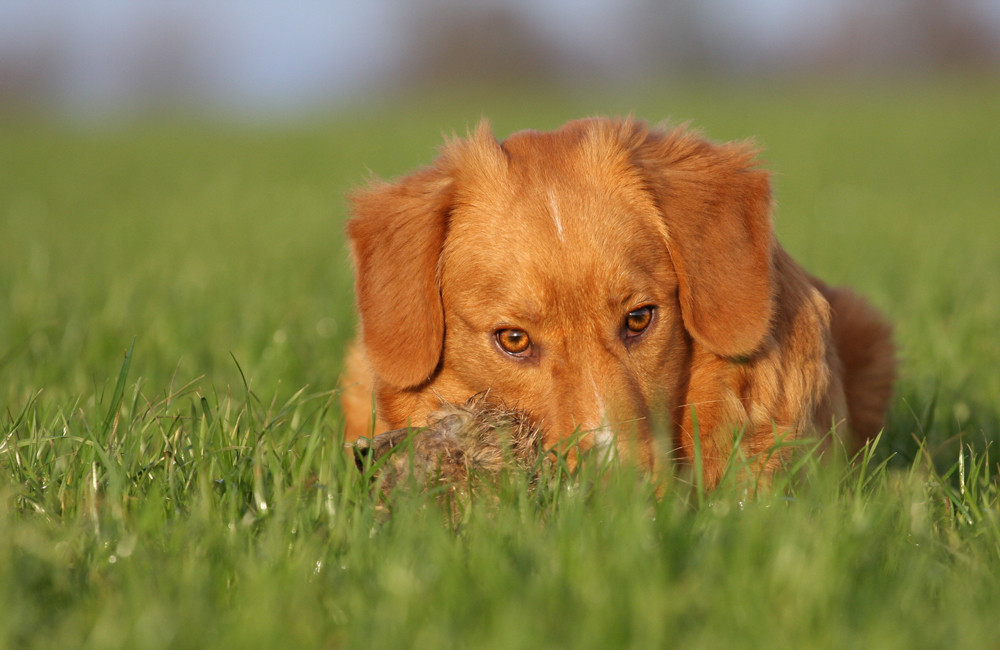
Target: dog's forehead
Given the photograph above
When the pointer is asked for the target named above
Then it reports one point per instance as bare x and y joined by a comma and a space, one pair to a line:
553, 239
565, 214
570, 186
582, 156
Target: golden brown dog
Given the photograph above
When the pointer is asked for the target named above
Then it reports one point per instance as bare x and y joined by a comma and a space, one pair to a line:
606, 279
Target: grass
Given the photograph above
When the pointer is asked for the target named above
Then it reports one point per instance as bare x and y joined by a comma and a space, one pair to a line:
175, 302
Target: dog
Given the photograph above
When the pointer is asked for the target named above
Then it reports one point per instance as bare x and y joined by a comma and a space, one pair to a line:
612, 281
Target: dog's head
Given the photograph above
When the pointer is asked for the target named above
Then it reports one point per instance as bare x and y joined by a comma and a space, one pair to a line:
572, 274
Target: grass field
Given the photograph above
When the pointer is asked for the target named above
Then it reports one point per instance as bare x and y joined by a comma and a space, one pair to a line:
174, 306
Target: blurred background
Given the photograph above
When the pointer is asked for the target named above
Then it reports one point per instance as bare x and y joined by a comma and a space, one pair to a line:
270, 59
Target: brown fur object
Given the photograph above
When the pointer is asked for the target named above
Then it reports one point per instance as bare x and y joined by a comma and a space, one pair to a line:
459, 444
609, 278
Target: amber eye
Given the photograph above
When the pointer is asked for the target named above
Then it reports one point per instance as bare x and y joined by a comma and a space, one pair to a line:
638, 320
514, 341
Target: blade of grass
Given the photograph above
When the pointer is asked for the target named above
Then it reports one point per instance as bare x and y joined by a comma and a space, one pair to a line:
119, 394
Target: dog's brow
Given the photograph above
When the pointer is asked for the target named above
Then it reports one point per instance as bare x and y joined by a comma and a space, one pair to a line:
529, 314
523, 313
626, 300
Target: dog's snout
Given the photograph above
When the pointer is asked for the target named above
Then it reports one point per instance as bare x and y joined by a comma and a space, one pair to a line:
591, 402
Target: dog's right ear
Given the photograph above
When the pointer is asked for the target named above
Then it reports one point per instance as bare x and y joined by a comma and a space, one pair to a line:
396, 237
716, 205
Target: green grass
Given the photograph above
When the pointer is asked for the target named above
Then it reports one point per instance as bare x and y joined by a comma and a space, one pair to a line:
175, 302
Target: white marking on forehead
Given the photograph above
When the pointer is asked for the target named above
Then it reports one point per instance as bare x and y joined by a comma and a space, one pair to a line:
555, 215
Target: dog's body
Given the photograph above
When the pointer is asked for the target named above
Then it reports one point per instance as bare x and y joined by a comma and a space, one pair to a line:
608, 279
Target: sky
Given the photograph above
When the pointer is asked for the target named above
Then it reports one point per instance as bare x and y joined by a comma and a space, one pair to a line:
274, 55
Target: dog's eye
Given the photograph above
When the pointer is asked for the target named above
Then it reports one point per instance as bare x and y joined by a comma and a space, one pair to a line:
514, 342
638, 320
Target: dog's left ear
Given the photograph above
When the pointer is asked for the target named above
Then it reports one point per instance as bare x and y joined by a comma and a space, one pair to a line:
716, 205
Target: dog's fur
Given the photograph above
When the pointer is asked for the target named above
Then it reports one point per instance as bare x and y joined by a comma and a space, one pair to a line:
561, 235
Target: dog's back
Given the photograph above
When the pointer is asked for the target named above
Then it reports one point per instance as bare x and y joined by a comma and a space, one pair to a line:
863, 339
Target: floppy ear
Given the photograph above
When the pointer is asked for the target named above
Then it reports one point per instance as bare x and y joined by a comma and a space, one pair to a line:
716, 206
396, 238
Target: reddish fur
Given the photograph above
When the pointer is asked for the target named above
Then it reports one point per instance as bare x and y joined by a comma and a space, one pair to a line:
867, 355
562, 234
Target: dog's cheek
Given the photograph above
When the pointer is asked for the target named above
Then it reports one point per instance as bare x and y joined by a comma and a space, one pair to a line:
470, 357
662, 365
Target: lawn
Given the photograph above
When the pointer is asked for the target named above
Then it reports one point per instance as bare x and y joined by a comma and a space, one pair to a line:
175, 302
